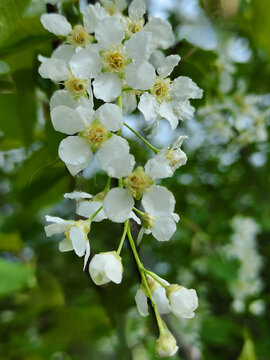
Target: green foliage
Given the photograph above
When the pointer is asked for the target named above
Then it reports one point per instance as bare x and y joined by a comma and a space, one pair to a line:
14, 277
11, 12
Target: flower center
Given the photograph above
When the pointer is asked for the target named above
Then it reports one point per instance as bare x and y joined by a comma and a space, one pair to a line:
134, 26
161, 89
79, 36
77, 87
114, 60
137, 182
96, 134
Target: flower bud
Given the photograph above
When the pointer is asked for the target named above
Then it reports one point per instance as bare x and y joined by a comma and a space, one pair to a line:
166, 345
106, 267
183, 301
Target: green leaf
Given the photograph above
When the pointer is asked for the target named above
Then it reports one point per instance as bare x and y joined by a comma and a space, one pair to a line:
261, 23
14, 277
18, 109
11, 12
11, 242
248, 351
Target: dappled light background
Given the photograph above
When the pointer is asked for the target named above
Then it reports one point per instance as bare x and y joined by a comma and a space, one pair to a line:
49, 308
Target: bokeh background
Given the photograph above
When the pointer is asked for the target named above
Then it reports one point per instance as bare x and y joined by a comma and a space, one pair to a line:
49, 308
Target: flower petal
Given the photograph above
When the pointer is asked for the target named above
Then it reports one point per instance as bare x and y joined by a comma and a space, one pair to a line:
113, 268
110, 116
118, 205
67, 120
77, 195
88, 208
65, 245
87, 254
56, 24
75, 151
161, 31
163, 228
161, 300
141, 302
183, 88
166, 111
168, 65
148, 106
92, 15
64, 52
107, 87
62, 97
77, 237
140, 46
109, 32
158, 201
159, 167
136, 9
85, 64
140, 75
114, 157
54, 69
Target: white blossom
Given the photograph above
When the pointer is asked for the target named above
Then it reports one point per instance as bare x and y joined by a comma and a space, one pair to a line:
183, 301
106, 267
165, 163
166, 345
76, 235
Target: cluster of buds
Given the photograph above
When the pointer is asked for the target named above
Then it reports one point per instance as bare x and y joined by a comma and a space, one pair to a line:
116, 57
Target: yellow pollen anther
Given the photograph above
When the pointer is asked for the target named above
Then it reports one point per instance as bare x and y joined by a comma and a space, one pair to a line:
161, 89
79, 36
77, 87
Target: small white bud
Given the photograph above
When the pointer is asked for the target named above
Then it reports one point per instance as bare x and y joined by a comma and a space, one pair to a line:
183, 301
166, 345
106, 267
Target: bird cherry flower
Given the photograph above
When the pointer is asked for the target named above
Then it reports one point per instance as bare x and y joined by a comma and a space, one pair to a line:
168, 160
169, 99
159, 217
75, 232
158, 294
183, 301
166, 344
106, 267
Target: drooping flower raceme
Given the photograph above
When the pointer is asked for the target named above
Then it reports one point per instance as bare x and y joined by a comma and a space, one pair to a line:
118, 59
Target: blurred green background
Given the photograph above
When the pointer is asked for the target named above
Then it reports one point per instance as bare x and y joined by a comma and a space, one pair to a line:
49, 308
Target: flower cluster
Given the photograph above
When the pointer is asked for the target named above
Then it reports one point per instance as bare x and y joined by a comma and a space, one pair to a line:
118, 59
243, 247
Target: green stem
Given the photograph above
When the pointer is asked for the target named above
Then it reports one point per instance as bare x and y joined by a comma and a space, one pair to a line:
123, 237
108, 185
156, 278
156, 151
95, 214
144, 281
120, 183
120, 101
77, 6
138, 212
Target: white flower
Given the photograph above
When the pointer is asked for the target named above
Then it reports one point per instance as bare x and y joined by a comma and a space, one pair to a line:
183, 301
73, 69
115, 61
79, 35
94, 127
166, 345
169, 99
76, 235
158, 294
114, 157
106, 267
118, 205
159, 219
165, 163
